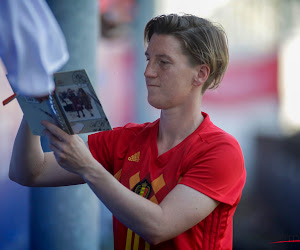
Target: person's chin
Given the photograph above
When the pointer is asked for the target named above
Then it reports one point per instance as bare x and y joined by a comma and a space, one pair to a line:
154, 103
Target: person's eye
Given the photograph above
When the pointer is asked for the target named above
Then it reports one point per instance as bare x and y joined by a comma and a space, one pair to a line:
163, 62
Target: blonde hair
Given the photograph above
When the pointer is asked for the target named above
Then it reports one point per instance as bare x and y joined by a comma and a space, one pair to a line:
202, 42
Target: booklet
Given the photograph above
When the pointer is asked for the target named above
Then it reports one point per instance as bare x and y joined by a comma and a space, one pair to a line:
73, 106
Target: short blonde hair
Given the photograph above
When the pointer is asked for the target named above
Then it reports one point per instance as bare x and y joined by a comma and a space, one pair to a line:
202, 41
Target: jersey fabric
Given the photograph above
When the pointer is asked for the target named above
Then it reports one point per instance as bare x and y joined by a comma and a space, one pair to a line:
209, 161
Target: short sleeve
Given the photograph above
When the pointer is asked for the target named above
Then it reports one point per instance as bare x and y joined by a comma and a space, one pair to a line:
218, 171
101, 145
109, 148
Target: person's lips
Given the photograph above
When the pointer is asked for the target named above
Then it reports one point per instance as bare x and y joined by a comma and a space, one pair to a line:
150, 84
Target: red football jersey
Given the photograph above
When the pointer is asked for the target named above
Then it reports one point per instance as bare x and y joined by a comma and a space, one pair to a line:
209, 160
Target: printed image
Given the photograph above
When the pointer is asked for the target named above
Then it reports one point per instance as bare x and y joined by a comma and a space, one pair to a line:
78, 103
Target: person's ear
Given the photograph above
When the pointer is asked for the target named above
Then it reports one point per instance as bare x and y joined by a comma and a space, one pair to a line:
203, 72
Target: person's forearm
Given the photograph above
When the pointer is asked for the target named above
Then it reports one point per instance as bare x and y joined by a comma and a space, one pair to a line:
27, 156
124, 204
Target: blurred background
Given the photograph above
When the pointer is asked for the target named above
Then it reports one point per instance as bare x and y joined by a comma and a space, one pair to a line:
258, 103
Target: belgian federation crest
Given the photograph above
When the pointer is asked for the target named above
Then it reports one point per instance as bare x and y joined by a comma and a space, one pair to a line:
143, 188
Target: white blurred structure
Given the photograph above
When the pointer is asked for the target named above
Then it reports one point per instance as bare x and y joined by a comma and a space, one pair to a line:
32, 46
201, 8
289, 83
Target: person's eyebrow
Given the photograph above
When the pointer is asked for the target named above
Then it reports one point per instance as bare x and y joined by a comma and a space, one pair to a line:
164, 56
159, 56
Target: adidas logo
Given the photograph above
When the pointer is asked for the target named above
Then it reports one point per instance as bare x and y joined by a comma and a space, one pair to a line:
135, 157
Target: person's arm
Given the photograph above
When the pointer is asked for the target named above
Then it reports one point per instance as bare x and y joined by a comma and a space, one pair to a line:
181, 209
30, 166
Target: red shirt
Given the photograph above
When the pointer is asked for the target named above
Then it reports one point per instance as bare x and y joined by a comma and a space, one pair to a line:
209, 160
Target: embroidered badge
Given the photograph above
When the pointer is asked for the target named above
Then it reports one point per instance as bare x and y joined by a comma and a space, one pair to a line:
143, 188
135, 157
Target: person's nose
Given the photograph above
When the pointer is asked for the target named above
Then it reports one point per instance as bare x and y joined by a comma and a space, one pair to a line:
150, 71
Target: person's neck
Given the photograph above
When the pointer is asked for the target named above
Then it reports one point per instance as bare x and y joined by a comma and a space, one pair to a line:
176, 125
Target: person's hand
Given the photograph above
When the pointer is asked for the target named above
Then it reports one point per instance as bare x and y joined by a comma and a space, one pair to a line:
70, 151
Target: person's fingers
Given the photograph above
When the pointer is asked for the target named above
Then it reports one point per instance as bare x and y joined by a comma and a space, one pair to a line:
53, 140
55, 150
56, 131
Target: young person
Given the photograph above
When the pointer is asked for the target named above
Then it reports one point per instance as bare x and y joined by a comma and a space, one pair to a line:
174, 183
